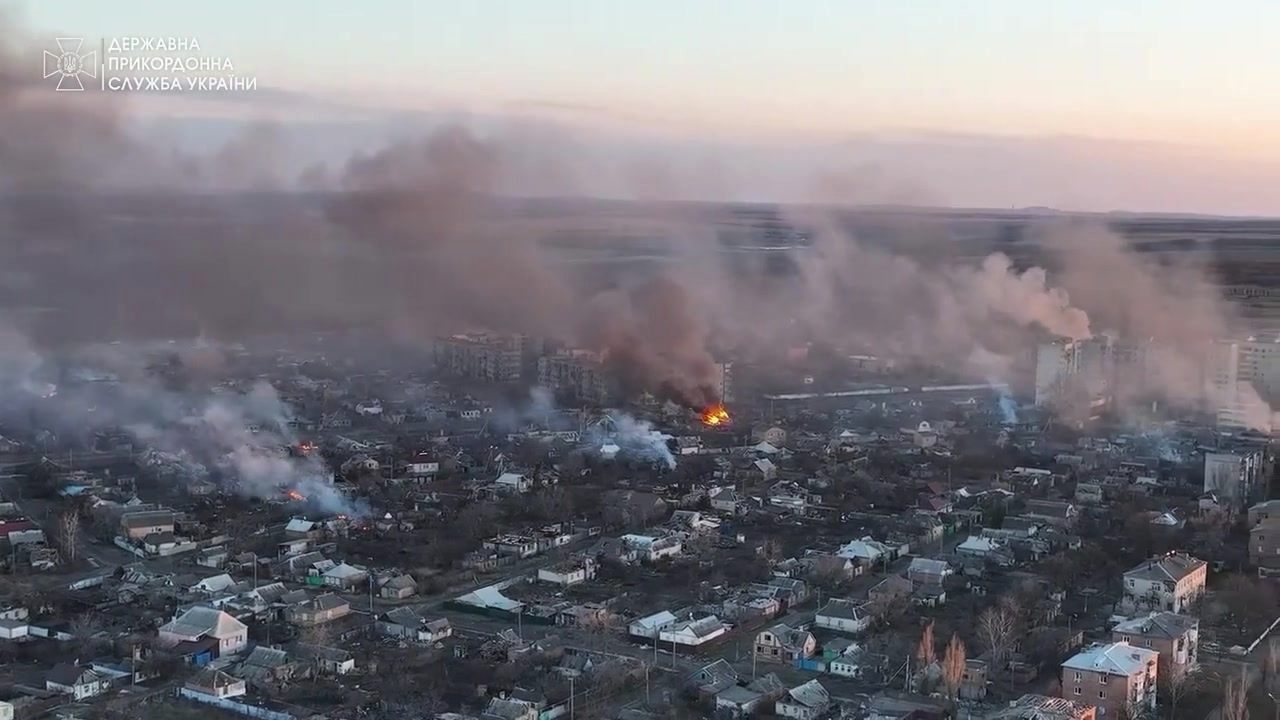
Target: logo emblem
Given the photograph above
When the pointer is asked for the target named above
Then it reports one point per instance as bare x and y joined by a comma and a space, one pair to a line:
68, 64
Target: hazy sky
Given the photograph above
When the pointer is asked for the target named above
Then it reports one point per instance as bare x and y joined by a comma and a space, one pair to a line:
1174, 70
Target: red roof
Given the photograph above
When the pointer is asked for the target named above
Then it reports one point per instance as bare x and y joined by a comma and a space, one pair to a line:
13, 525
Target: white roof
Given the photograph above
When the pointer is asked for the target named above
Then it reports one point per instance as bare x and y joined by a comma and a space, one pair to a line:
765, 448
764, 464
490, 597
810, 694
639, 541
929, 565
343, 571
1120, 659
299, 525
656, 621
204, 621
864, 548
978, 544
214, 584
510, 479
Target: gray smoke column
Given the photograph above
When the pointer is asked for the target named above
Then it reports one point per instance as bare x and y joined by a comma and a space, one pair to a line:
1169, 306
423, 210
653, 337
1025, 298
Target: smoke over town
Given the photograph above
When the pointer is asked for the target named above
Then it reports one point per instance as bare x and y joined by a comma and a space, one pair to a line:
412, 238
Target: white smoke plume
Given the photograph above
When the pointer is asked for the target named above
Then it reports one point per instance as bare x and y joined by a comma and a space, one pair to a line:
634, 437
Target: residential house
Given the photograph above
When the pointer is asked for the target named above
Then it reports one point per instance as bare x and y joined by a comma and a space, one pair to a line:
570, 572
14, 629
319, 610
1118, 679
783, 644
78, 682
724, 499
267, 667
692, 633
509, 708
423, 465
325, 660
514, 482
713, 678
214, 557
228, 635
935, 504
398, 588
1043, 707
216, 684
804, 702
866, 551
973, 680
518, 546
1062, 515
406, 622
844, 616
649, 627
301, 529
344, 576
1176, 637
928, 571
978, 547
762, 470
890, 589
653, 549
738, 701
1171, 582
138, 525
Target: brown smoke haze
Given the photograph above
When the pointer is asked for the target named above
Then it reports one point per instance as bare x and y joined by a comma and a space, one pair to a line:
412, 238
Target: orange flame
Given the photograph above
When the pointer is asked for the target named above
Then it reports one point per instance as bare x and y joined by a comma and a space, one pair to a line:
295, 495
715, 416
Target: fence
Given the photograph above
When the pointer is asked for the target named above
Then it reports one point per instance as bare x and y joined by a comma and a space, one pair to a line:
235, 707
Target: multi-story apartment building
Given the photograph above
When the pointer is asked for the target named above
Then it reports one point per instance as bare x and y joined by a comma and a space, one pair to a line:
1118, 679
1244, 377
490, 358
1056, 363
1172, 582
580, 373
1176, 637
1233, 476
1264, 546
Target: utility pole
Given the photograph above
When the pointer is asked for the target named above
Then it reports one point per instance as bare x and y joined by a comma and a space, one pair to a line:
570, 697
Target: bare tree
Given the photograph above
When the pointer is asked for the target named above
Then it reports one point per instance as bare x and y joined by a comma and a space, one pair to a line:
953, 664
319, 635
68, 534
87, 630
827, 571
925, 651
600, 627
998, 633
1181, 683
1271, 672
1235, 697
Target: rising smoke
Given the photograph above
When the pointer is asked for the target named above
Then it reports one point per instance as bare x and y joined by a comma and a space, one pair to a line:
413, 240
